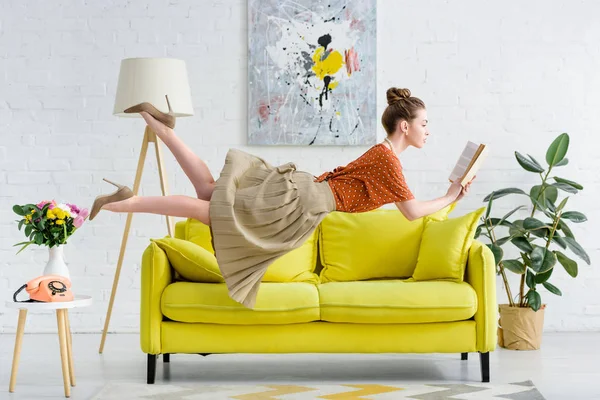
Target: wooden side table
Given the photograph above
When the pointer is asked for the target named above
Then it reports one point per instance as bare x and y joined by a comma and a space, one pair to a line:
64, 335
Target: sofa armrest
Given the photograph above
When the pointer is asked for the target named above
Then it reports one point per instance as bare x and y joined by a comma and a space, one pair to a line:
156, 275
481, 275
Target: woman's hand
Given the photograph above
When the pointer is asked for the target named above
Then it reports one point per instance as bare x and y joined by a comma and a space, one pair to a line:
454, 191
465, 190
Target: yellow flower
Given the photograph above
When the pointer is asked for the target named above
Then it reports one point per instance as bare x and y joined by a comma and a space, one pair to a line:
60, 214
50, 214
60, 222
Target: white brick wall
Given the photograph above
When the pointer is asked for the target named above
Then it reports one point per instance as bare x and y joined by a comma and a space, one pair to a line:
510, 74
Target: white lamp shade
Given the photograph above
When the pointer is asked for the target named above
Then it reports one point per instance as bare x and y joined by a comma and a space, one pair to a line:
149, 80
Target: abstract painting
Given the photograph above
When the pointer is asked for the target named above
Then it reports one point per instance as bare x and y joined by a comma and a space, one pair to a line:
311, 72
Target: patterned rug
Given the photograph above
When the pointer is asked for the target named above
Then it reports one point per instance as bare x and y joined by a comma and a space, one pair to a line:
480, 391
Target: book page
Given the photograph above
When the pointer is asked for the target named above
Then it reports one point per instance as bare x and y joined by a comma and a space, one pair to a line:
463, 161
475, 167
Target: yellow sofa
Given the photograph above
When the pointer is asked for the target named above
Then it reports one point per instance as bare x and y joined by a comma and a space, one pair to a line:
345, 290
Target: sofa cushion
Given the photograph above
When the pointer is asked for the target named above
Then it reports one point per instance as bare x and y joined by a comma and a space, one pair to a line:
191, 261
376, 244
296, 266
396, 302
445, 247
276, 303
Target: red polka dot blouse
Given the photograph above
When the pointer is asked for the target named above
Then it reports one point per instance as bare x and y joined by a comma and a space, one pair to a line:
370, 181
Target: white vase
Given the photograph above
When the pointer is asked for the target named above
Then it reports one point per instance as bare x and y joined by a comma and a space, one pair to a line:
56, 263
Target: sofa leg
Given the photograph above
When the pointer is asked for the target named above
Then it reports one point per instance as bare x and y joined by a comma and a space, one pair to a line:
166, 357
151, 368
484, 358
464, 356
205, 354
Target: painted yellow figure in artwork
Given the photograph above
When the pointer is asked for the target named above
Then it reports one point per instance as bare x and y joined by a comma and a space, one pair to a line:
329, 66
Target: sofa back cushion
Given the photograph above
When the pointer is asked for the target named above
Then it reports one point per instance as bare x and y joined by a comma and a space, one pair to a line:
445, 247
296, 266
372, 245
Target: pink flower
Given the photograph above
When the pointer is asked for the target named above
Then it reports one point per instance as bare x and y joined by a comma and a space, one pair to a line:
84, 213
74, 208
78, 221
41, 204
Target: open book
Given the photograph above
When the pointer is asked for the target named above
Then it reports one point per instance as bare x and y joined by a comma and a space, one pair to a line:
468, 163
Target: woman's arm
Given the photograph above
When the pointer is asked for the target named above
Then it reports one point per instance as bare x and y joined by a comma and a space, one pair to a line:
415, 209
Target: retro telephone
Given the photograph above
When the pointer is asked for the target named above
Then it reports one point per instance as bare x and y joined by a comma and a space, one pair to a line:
47, 288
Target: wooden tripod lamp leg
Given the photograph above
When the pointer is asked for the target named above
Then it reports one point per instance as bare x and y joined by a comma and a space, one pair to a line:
136, 186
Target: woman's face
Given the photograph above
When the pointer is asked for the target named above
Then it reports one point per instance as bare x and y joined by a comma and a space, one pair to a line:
417, 129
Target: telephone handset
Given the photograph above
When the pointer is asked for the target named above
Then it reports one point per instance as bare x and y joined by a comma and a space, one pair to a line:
47, 288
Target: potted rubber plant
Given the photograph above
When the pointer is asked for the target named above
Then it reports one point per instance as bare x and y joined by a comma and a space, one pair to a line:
543, 240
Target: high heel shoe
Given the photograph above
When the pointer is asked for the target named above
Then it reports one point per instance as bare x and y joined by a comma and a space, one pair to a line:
165, 118
122, 193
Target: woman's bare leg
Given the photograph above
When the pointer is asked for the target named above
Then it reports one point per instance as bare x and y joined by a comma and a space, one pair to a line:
173, 205
196, 170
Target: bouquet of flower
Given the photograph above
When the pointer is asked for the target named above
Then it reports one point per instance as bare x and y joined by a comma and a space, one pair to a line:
48, 223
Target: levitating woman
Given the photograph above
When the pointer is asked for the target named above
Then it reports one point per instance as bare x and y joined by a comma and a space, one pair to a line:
258, 212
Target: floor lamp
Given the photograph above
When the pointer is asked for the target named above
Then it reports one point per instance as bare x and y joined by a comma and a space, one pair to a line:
140, 80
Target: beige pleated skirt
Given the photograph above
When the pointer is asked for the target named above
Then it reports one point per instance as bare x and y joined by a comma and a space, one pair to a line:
258, 213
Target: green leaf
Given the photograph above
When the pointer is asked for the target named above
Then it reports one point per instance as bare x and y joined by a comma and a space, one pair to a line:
530, 279
509, 214
561, 163
503, 192
577, 249
549, 215
534, 300
551, 205
568, 182
24, 247
502, 241
562, 225
544, 276
552, 289
533, 160
478, 230
522, 244
489, 206
574, 216
527, 164
557, 150
517, 228
561, 241
542, 259
19, 210
515, 266
569, 265
39, 238
21, 223
536, 227
494, 222
562, 204
540, 196
497, 251
28, 230
565, 187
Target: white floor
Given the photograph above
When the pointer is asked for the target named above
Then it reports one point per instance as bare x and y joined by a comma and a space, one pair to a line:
565, 368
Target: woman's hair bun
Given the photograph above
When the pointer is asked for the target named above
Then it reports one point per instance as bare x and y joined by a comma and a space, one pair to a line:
397, 94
